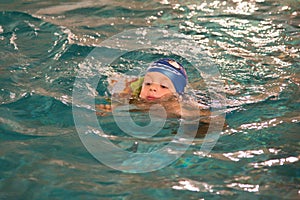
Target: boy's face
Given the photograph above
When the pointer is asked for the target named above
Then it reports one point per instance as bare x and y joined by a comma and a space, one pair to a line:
155, 86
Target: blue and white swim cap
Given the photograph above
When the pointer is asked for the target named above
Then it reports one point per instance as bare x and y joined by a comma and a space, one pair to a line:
173, 70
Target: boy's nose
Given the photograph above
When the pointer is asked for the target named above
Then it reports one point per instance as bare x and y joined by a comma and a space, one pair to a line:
153, 88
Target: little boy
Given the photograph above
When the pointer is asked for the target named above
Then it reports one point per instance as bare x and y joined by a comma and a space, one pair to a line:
164, 79
164, 82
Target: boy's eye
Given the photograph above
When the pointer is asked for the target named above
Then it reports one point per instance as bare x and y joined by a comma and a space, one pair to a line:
164, 86
147, 83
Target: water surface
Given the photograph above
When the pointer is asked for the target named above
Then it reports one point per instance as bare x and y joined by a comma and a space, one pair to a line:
256, 47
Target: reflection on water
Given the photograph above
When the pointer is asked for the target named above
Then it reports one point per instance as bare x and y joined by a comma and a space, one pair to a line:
256, 45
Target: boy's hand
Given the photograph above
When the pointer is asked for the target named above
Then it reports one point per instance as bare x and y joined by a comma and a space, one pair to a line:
103, 109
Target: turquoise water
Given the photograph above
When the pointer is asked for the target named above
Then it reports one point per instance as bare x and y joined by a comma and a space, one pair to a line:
254, 43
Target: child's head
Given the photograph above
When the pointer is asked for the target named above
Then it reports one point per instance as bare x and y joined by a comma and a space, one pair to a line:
163, 77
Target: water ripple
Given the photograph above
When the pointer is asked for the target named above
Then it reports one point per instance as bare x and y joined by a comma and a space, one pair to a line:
256, 45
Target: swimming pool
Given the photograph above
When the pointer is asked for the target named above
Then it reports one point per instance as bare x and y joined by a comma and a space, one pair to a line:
256, 47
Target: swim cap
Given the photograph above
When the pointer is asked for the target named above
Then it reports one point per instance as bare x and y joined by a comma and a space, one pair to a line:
173, 70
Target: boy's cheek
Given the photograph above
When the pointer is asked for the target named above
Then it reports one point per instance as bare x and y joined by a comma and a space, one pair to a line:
142, 94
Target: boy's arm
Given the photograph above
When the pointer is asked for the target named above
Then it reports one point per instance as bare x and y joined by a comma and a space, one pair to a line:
129, 88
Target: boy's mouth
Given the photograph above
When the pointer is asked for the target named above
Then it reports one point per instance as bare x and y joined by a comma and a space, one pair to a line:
151, 98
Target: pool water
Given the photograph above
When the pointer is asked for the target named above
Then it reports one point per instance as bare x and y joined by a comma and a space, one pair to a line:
255, 45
